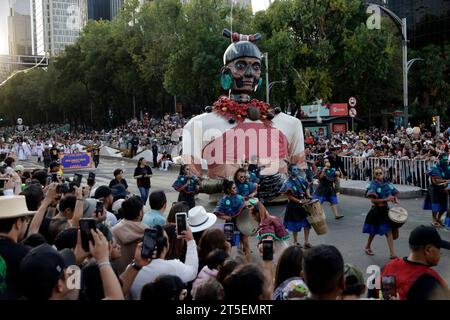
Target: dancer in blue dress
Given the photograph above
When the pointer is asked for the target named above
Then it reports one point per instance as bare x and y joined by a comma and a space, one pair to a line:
297, 191
187, 185
244, 187
437, 199
380, 192
326, 190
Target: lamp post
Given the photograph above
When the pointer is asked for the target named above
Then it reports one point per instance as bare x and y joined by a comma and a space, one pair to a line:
265, 56
401, 23
271, 86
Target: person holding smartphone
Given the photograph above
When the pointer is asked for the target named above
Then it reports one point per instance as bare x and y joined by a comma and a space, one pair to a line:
187, 185
142, 174
380, 193
270, 227
415, 278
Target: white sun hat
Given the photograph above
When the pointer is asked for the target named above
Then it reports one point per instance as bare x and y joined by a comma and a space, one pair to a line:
199, 219
14, 207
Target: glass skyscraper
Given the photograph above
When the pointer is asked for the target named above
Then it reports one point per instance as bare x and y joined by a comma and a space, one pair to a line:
428, 20
99, 9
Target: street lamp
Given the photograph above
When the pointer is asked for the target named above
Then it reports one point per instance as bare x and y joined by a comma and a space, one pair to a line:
271, 86
265, 56
401, 23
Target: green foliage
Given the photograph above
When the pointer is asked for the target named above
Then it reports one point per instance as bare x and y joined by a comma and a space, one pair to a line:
321, 49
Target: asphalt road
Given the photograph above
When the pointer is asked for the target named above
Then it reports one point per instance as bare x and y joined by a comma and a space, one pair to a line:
345, 234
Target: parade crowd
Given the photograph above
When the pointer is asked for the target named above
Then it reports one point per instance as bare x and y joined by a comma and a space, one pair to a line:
53, 229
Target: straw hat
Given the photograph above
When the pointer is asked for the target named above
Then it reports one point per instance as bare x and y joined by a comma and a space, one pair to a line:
199, 219
14, 207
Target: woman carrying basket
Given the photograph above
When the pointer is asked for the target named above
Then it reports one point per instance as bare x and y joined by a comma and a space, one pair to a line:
326, 191
296, 190
380, 192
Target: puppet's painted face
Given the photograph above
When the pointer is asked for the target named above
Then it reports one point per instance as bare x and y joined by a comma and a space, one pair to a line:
246, 73
294, 171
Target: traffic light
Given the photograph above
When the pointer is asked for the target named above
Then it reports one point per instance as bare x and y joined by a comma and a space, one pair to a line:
433, 119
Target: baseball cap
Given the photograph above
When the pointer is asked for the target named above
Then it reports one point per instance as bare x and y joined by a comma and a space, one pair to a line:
19, 167
41, 268
423, 235
102, 192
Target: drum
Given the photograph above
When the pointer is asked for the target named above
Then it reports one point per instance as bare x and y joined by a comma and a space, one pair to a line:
246, 224
211, 186
398, 217
316, 216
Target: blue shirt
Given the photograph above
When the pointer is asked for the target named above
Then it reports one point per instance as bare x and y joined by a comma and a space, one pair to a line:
153, 218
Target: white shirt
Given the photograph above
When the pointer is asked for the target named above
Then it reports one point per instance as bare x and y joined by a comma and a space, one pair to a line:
186, 271
111, 218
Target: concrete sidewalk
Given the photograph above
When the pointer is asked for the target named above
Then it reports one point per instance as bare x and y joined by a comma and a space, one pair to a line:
358, 188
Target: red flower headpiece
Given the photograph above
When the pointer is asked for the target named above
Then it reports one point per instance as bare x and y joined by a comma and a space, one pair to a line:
231, 109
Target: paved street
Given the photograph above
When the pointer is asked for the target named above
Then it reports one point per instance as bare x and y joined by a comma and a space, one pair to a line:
345, 234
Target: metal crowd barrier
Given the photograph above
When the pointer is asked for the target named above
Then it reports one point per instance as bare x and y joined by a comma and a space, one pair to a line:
399, 171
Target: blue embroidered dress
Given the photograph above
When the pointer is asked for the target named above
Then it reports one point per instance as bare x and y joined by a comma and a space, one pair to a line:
436, 198
230, 205
377, 220
295, 215
246, 188
326, 190
188, 194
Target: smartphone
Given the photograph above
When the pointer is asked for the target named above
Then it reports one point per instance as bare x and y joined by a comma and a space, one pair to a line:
55, 177
267, 250
49, 180
98, 208
2, 182
388, 287
149, 243
86, 225
91, 175
228, 229
181, 219
77, 179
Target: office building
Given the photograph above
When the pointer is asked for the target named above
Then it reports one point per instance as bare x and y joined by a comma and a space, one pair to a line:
19, 28
99, 9
56, 24
428, 20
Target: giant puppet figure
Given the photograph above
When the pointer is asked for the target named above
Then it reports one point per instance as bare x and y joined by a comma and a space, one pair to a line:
237, 128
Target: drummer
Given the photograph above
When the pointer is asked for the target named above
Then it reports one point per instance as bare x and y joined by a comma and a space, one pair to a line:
296, 190
326, 190
270, 227
244, 187
380, 192
187, 185
230, 207
437, 199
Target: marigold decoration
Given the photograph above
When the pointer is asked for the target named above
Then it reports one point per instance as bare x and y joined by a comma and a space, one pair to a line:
230, 109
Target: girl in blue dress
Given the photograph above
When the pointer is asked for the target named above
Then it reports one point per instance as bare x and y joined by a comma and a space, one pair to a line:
380, 192
187, 185
244, 187
296, 190
326, 191
230, 207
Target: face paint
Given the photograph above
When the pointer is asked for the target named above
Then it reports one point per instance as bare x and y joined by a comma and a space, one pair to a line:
294, 171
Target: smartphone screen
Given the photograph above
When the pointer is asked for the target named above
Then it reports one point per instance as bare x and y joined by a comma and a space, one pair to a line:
228, 229
2, 183
388, 287
98, 208
86, 224
91, 175
49, 180
55, 177
267, 250
149, 243
181, 222
77, 179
